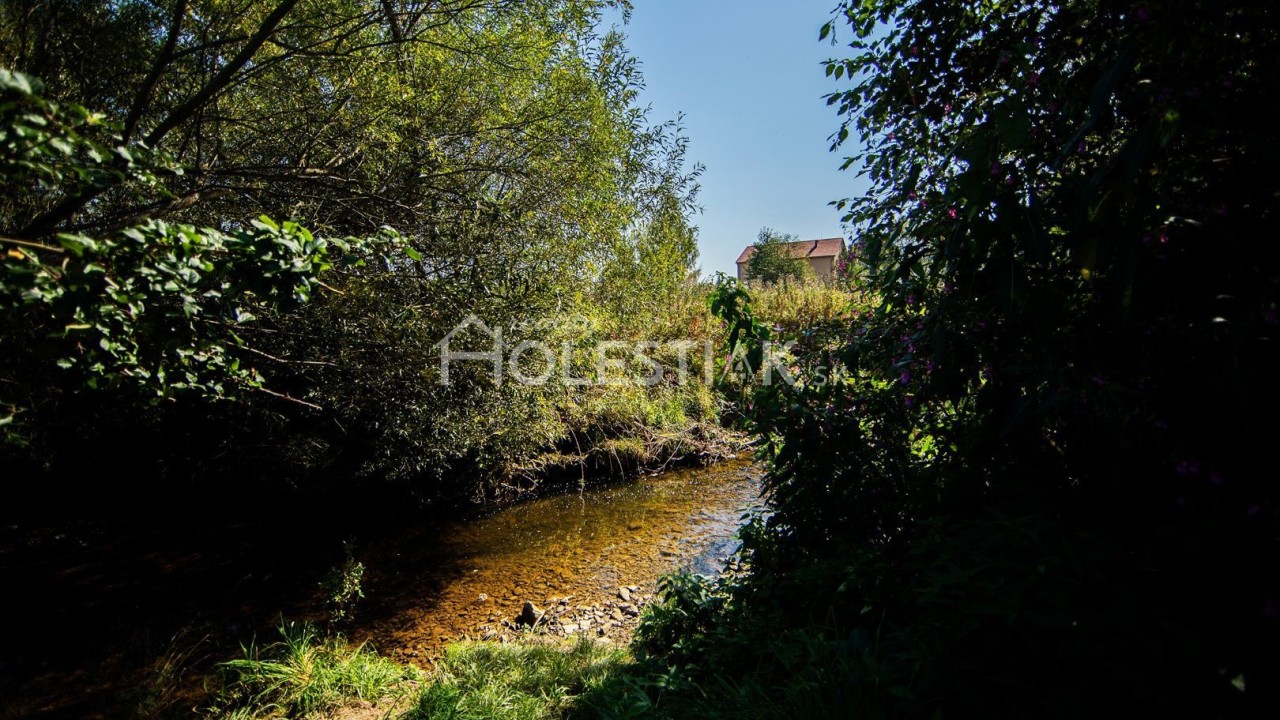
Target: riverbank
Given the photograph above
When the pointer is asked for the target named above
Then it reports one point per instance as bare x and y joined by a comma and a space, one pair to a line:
535, 679
522, 613
106, 615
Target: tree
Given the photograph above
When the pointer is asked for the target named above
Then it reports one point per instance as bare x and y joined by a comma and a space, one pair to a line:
153, 305
1043, 463
772, 261
501, 140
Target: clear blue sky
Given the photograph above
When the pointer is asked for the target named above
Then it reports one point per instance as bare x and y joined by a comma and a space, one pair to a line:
748, 76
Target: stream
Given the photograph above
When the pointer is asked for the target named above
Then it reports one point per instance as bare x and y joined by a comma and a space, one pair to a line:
93, 615
588, 560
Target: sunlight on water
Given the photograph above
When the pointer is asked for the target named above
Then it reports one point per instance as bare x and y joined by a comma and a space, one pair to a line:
572, 551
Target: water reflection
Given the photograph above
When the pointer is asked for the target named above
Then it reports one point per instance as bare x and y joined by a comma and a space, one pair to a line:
463, 579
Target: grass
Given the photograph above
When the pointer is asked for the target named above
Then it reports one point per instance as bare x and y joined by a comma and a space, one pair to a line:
307, 676
527, 681
799, 305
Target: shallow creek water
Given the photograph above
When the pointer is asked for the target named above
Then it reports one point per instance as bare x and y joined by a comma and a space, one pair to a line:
571, 555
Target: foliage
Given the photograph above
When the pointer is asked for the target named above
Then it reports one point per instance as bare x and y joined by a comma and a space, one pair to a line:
1033, 488
342, 588
502, 141
155, 305
304, 676
772, 262
687, 609
526, 681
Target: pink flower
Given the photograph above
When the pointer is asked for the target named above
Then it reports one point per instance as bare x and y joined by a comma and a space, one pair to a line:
951, 213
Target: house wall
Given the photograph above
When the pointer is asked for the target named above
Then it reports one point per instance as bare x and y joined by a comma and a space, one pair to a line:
824, 268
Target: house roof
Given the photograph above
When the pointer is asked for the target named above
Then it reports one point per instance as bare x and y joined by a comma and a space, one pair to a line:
827, 247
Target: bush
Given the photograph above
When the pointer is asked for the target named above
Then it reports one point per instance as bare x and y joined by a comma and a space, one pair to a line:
1035, 488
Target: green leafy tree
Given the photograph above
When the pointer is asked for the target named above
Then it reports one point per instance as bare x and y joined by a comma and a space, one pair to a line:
1037, 488
156, 305
503, 142
772, 261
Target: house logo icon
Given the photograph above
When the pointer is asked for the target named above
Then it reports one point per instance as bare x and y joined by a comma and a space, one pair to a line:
448, 355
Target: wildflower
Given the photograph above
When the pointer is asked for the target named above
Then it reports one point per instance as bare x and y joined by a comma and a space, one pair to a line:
952, 213
905, 378
1034, 79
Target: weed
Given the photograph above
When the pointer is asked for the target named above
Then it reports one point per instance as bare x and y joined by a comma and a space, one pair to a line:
305, 675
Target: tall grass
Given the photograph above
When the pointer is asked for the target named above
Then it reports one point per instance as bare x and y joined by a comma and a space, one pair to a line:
306, 676
796, 305
527, 681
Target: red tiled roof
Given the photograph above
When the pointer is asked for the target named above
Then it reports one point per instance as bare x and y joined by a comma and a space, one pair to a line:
827, 247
